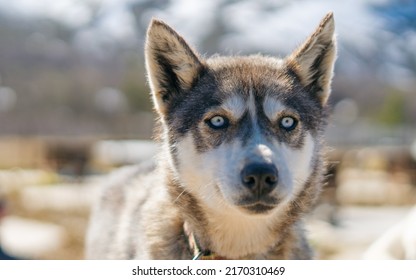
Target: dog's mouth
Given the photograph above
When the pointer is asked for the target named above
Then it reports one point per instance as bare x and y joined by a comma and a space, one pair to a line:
258, 206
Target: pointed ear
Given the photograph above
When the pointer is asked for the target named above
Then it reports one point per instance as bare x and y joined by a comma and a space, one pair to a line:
172, 66
313, 62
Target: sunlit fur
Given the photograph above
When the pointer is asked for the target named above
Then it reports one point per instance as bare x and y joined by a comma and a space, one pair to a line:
196, 178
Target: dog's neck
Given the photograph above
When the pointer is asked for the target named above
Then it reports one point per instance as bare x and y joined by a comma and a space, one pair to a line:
235, 235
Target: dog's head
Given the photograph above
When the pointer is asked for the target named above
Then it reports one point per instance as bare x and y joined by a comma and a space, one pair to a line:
243, 132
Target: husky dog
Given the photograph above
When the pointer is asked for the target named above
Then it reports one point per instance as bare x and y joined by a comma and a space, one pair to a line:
240, 161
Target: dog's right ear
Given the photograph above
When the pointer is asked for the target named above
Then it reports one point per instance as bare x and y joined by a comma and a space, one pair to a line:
314, 60
172, 66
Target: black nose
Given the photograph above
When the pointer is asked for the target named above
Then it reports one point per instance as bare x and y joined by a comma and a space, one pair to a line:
260, 178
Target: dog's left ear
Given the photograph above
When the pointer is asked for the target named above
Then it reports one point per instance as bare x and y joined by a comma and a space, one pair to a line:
172, 66
313, 62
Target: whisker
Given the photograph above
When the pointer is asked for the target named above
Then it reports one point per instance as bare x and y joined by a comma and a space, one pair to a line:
184, 190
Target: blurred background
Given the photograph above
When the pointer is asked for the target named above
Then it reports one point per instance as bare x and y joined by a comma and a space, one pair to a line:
74, 104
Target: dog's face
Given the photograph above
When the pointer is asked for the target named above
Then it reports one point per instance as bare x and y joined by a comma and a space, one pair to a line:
243, 132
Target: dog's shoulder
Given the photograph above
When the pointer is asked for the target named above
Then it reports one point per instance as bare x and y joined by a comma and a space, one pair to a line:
119, 196
115, 188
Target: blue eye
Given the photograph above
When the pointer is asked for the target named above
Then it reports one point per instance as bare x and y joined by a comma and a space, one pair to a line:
288, 123
218, 122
